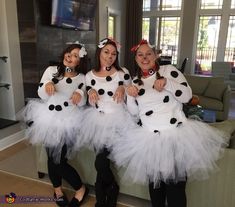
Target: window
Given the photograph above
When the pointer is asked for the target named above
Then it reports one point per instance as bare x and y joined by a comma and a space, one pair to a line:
145, 28
211, 4
111, 26
161, 25
216, 34
170, 4
146, 5
168, 36
230, 45
233, 4
207, 41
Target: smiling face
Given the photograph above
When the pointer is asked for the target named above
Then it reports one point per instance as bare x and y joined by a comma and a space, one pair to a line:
145, 57
72, 59
108, 55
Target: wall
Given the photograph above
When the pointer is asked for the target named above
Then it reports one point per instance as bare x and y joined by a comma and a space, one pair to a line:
119, 9
12, 100
188, 34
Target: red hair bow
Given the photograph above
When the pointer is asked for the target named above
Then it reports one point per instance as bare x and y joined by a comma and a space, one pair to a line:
142, 42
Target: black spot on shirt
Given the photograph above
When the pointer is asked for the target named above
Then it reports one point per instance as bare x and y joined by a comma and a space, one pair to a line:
93, 82
58, 108
66, 103
120, 83
80, 85
141, 92
110, 93
88, 88
139, 122
55, 80
51, 107
156, 131
108, 78
136, 81
69, 80
173, 120
40, 84
174, 74
166, 99
136, 102
179, 123
178, 93
126, 76
148, 113
101, 91
29, 123
184, 84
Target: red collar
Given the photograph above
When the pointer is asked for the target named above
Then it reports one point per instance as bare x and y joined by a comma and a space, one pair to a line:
149, 72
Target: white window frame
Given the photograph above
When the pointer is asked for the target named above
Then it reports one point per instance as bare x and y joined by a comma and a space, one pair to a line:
225, 12
167, 13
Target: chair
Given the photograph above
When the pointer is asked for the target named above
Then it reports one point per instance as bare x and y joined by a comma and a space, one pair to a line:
182, 68
165, 60
223, 69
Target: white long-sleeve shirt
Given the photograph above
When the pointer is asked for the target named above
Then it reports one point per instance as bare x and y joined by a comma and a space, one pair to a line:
65, 86
106, 88
161, 110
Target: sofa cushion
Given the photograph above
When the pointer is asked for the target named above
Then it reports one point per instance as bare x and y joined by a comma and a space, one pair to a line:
210, 103
197, 84
215, 90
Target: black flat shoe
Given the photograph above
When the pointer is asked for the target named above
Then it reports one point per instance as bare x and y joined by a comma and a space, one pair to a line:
75, 202
61, 201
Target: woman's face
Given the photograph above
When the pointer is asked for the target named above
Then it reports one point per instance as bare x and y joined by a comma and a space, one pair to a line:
108, 55
145, 57
72, 59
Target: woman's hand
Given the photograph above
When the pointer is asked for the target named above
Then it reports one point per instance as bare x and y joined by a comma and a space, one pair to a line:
159, 84
76, 98
132, 91
50, 88
93, 96
119, 94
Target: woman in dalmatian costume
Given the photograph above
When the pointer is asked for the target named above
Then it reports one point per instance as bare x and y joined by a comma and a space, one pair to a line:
55, 119
167, 148
106, 117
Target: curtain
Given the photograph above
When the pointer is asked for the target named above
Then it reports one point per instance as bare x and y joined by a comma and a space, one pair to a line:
133, 30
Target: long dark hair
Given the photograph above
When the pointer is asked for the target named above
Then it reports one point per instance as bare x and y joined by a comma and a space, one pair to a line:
81, 68
97, 55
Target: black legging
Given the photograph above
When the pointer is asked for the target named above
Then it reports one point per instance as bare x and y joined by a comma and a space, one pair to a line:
62, 170
106, 187
102, 166
174, 193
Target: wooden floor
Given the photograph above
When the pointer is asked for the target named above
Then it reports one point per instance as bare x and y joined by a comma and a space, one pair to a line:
29, 188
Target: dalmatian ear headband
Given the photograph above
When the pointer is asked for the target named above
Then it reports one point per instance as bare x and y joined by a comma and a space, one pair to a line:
103, 42
82, 51
142, 42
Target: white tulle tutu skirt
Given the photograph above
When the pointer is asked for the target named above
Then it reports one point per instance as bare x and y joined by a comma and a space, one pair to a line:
186, 152
101, 130
52, 128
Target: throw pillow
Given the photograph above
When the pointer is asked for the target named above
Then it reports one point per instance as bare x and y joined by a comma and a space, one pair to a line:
215, 90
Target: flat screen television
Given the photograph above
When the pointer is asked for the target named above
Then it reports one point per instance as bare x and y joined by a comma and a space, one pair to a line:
73, 14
